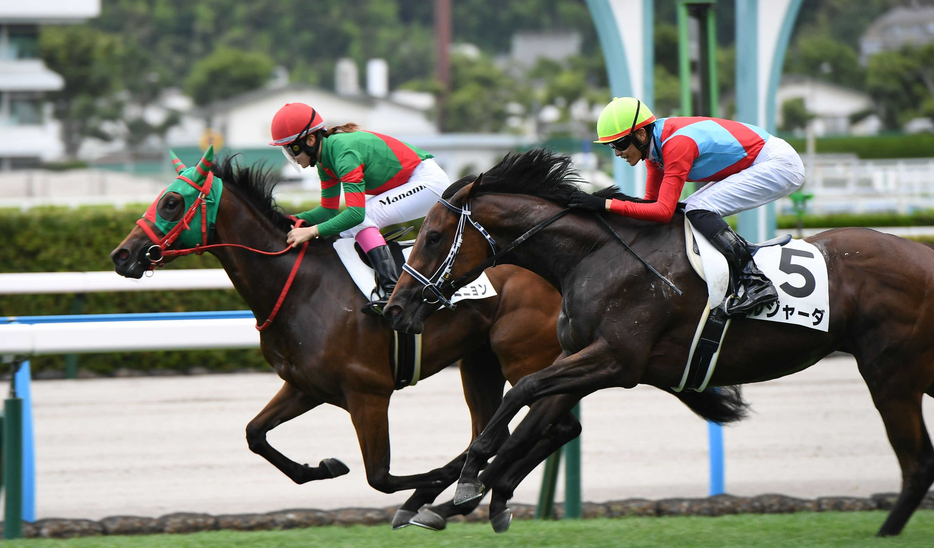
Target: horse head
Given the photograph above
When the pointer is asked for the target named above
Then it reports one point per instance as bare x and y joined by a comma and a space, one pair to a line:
181, 217
443, 252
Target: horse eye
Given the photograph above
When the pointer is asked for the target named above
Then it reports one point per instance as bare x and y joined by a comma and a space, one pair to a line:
434, 238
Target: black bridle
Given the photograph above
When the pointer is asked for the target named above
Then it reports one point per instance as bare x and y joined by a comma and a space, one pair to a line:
440, 282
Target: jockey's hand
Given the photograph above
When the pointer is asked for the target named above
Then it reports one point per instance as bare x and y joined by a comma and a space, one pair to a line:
582, 200
299, 235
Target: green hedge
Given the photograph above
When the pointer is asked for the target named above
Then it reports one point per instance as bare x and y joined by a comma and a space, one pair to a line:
69, 240
837, 220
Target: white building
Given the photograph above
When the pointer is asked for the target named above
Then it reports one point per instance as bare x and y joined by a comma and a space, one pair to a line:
830, 104
28, 135
244, 121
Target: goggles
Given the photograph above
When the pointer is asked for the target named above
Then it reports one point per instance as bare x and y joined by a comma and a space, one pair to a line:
296, 147
625, 141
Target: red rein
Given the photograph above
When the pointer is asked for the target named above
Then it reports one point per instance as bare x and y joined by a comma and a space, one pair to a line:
173, 234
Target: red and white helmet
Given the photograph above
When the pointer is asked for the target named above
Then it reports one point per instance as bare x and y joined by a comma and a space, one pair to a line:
293, 121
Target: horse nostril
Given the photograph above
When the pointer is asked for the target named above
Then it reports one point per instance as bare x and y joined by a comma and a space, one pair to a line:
393, 311
120, 255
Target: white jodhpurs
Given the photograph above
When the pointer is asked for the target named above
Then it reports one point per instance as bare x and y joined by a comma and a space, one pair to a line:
775, 173
406, 202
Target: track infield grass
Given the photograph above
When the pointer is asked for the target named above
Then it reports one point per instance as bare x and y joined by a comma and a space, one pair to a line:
801, 530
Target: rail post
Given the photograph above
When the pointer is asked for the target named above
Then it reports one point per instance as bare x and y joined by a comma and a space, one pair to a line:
13, 460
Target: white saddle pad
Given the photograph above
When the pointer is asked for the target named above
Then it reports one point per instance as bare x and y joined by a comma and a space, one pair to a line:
797, 269
363, 276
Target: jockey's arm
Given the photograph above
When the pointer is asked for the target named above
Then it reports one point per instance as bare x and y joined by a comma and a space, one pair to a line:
349, 167
330, 201
665, 186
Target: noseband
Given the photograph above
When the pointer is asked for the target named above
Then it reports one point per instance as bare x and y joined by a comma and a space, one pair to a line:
439, 283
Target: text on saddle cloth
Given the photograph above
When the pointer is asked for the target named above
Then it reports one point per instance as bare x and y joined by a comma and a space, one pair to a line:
797, 269
363, 276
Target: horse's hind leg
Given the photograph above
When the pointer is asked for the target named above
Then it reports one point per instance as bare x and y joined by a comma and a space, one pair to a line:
899, 404
287, 404
483, 382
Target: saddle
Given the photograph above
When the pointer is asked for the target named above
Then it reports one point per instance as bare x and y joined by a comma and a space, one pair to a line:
712, 267
710, 264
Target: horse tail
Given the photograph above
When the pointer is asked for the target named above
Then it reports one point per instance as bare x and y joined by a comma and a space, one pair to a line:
721, 405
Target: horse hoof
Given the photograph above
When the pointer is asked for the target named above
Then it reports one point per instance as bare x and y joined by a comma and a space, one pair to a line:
426, 519
335, 467
468, 491
402, 518
501, 521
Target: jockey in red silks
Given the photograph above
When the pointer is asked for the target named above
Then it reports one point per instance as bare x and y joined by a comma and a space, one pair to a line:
385, 182
744, 166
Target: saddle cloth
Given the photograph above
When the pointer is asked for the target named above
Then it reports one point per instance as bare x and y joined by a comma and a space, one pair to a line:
796, 268
363, 275
406, 352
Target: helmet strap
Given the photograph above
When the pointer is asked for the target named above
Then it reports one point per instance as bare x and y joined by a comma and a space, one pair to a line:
643, 148
312, 151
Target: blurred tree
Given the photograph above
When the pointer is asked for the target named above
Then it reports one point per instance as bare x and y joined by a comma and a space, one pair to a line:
902, 84
666, 47
841, 20
794, 114
827, 59
88, 60
225, 73
479, 94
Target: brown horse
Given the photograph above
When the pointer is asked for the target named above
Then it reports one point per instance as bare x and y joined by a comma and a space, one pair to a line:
620, 325
326, 351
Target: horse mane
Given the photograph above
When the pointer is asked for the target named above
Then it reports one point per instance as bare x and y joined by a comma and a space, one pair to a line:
538, 172
255, 184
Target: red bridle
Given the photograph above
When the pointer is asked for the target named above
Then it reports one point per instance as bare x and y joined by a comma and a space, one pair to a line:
165, 241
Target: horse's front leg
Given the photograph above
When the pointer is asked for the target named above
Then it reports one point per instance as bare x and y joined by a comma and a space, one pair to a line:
581, 373
483, 381
545, 429
370, 416
287, 404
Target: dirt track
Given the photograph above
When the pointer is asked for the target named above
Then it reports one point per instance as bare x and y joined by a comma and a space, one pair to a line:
152, 446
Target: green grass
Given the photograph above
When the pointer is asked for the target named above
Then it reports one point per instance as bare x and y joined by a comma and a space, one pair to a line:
800, 530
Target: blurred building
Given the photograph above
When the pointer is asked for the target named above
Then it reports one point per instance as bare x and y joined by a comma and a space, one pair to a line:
28, 135
528, 47
244, 120
899, 27
833, 107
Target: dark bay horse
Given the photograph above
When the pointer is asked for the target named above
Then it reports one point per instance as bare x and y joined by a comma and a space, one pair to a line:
326, 351
621, 326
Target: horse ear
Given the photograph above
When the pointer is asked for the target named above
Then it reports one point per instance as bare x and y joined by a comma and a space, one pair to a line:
177, 164
474, 186
204, 165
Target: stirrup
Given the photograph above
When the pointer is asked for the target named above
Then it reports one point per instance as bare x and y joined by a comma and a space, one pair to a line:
374, 308
742, 306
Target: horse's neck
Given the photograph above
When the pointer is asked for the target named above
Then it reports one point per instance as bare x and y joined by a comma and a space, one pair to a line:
260, 278
555, 252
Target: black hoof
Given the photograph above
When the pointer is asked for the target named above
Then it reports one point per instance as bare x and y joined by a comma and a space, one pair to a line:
335, 467
401, 519
501, 521
426, 519
468, 491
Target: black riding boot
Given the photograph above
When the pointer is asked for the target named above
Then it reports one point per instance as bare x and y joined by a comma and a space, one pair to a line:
387, 274
757, 289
